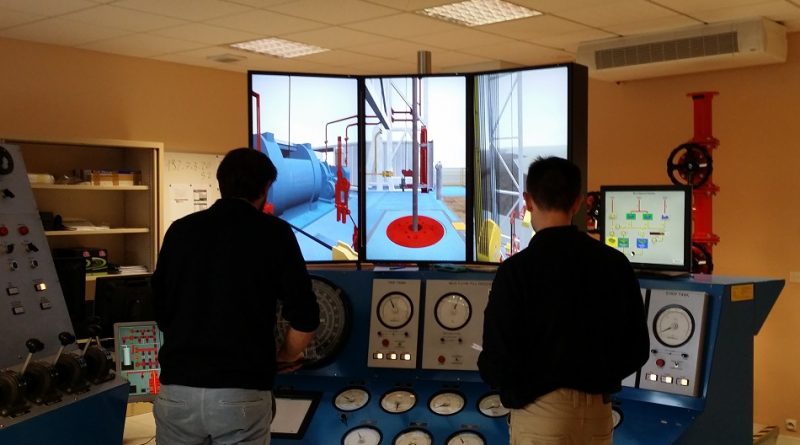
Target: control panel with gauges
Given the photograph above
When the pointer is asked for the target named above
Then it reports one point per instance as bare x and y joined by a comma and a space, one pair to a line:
394, 363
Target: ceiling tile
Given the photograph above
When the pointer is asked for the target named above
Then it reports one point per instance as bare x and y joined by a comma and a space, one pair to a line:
386, 67
58, 31
46, 7
689, 6
393, 49
335, 37
443, 61
532, 28
459, 39
655, 25
10, 18
404, 25
122, 18
187, 58
266, 23
520, 52
268, 63
334, 12
411, 5
184, 9
557, 6
343, 58
258, 3
141, 45
616, 13
776, 10
569, 42
212, 35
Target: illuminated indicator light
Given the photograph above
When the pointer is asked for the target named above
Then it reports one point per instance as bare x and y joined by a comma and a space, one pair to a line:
378, 355
660, 363
647, 217
624, 243
441, 359
392, 356
652, 377
630, 216
406, 356
3, 231
683, 382
23, 230
666, 379
40, 287
641, 243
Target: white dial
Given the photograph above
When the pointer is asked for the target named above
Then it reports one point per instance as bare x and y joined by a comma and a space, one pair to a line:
395, 310
413, 437
466, 438
491, 406
453, 311
673, 325
398, 401
351, 399
446, 403
363, 435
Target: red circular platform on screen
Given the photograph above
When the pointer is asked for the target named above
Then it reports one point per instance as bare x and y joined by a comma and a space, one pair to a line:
429, 232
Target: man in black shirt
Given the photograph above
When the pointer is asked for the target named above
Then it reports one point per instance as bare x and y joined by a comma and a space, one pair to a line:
565, 321
219, 274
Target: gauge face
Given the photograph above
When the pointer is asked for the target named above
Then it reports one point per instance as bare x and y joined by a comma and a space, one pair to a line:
453, 311
351, 399
398, 401
673, 325
334, 324
395, 310
413, 437
616, 416
363, 435
491, 406
466, 438
446, 403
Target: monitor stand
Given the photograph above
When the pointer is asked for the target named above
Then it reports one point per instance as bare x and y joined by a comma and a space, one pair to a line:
665, 274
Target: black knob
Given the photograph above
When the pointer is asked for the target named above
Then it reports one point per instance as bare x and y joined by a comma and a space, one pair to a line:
94, 330
66, 338
30, 247
34, 345
9, 248
8, 193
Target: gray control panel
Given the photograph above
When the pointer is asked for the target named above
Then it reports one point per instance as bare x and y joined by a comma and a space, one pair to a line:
677, 333
453, 323
394, 324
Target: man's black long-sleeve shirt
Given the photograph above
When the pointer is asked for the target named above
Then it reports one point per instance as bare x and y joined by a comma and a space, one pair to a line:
218, 276
566, 312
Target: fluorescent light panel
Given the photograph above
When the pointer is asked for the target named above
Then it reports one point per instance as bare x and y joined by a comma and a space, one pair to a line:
279, 47
479, 12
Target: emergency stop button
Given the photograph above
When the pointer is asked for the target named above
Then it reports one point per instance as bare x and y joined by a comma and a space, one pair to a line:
660, 363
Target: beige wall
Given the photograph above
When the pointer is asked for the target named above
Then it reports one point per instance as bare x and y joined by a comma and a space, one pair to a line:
51, 92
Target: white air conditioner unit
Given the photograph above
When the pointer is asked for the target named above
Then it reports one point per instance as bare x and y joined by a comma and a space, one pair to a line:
701, 48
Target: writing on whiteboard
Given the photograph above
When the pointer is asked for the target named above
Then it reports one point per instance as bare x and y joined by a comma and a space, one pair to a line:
203, 169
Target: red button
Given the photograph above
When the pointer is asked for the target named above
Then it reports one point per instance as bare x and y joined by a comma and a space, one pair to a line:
660, 363
3, 231
23, 230
385, 343
441, 359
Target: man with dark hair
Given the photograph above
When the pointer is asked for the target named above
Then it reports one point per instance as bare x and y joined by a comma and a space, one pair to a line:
565, 321
219, 274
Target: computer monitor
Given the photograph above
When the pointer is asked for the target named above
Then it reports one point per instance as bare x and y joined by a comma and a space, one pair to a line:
122, 298
136, 346
71, 273
650, 224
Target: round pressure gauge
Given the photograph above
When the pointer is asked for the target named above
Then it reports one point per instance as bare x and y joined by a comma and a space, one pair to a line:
446, 403
616, 416
414, 436
673, 325
465, 438
490, 406
398, 401
395, 310
334, 324
453, 311
351, 399
362, 435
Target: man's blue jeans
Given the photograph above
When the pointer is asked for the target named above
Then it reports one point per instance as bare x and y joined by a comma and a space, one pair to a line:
212, 416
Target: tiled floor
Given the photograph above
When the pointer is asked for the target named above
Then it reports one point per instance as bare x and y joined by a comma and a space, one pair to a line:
140, 430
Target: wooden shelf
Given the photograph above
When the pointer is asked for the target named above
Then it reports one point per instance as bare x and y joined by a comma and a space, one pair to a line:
89, 187
116, 231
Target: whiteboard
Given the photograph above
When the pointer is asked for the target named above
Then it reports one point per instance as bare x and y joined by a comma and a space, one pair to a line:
190, 183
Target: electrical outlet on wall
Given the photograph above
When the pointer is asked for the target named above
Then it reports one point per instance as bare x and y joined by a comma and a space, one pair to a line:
791, 424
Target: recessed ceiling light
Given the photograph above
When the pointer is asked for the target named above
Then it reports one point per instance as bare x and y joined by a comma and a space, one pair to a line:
479, 12
278, 47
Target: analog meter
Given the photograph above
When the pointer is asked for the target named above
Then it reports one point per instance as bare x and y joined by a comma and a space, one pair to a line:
446, 403
362, 435
414, 436
466, 438
395, 310
490, 405
334, 324
673, 325
351, 399
453, 311
398, 401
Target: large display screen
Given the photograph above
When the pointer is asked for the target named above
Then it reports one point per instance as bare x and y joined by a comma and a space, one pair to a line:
651, 225
519, 116
438, 206
308, 126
